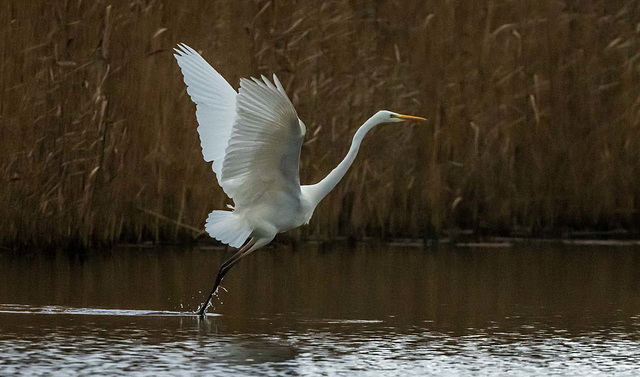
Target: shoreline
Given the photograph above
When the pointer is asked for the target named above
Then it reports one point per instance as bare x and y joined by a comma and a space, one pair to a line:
457, 238
344, 242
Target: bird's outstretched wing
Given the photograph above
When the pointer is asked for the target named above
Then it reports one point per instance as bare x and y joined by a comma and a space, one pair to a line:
263, 152
215, 103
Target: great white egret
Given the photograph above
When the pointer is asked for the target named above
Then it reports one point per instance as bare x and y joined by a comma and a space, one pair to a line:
254, 137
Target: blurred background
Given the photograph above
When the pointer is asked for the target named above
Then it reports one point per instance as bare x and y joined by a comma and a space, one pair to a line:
534, 111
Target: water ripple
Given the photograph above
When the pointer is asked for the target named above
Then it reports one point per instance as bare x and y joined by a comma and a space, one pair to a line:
125, 342
62, 310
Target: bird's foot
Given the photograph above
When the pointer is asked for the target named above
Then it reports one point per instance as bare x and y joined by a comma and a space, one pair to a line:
202, 310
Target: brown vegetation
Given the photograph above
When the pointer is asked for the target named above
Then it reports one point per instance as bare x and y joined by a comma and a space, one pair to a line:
534, 108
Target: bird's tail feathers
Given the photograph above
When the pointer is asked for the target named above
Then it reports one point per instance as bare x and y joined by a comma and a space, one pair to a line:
227, 227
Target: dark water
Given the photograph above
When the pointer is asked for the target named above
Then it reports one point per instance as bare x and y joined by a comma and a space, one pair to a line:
534, 310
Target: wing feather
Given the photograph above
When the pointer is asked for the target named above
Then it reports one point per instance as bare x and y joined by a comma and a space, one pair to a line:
253, 137
264, 148
215, 103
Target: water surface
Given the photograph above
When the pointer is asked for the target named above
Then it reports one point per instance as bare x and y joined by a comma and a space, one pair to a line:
524, 310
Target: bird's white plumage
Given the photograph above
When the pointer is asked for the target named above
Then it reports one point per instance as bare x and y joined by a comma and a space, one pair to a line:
254, 137
215, 103
227, 227
264, 147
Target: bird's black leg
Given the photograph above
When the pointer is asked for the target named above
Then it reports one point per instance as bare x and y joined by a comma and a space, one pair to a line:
224, 268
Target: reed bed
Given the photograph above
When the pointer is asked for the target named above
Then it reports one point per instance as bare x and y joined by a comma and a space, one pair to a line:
534, 111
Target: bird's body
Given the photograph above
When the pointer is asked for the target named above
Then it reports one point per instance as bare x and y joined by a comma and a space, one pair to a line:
254, 137
276, 212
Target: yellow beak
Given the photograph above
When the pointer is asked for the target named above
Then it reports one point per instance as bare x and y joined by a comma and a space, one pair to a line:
408, 117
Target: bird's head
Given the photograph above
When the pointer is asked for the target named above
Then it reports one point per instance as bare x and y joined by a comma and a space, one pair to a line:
385, 116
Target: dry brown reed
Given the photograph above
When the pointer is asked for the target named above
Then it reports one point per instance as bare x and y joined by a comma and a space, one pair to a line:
534, 108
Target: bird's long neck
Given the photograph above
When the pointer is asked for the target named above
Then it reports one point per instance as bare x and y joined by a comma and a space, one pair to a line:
318, 191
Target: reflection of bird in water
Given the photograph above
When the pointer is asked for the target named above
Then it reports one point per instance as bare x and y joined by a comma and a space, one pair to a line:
254, 138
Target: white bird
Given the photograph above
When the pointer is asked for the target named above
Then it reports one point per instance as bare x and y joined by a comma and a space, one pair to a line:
254, 137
